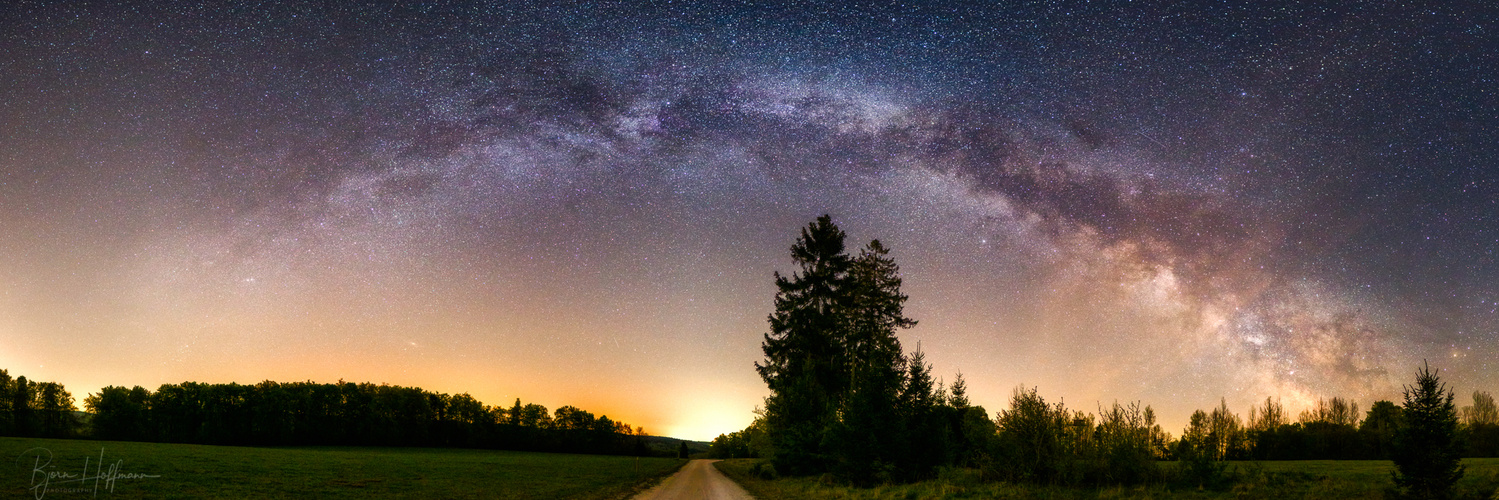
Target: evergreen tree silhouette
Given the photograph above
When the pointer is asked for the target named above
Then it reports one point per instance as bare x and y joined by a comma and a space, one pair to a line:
1425, 450
869, 439
804, 355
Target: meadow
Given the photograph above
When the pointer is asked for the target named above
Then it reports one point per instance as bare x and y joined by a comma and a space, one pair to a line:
202, 471
1310, 479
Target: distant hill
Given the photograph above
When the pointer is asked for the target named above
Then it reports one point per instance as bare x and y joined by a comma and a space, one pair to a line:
663, 444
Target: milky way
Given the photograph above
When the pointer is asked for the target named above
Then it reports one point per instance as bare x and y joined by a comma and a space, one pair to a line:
584, 203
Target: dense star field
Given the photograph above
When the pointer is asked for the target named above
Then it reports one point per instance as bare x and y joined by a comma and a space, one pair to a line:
584, 203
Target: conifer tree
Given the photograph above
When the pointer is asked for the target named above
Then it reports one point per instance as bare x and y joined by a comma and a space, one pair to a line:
805, 363
842, 396
839, 398
1425, 447
925, 444
865, 439
957, 395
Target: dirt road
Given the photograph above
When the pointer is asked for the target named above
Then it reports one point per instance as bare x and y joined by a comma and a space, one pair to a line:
697, 480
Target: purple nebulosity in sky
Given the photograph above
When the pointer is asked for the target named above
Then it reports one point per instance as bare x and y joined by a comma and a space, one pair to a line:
583, 203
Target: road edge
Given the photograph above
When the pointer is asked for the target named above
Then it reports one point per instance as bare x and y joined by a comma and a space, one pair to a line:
648, 482
761, 489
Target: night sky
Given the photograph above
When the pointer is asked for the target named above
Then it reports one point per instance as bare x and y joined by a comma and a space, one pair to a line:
584, 203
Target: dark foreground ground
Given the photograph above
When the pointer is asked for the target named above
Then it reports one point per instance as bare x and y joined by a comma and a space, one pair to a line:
1309, 479
198, 471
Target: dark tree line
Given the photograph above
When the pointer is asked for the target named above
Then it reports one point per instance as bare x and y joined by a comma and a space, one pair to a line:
308, 413
847, 400
43, 409
1332, 430
1423, 437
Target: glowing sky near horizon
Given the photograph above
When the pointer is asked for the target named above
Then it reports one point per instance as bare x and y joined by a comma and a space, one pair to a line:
583, 204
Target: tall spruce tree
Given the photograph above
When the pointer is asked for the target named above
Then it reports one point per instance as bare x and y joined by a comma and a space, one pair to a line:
833, 363
805, 362
865, 442
924, 442
1426, 449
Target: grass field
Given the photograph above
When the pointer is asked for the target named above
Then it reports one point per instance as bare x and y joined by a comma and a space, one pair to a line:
1312, 479
197, 471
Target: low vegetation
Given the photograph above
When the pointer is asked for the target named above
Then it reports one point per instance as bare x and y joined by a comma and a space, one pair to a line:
1299, 479
202, 471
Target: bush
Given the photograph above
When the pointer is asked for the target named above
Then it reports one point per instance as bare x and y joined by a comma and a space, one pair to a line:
1125, 440
1049, 444
764, 470
1483, 440
1030, 439
1198, 454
